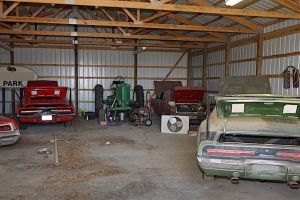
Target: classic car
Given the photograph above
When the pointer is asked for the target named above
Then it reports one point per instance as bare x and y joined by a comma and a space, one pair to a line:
9, 131
45, 102
252, 137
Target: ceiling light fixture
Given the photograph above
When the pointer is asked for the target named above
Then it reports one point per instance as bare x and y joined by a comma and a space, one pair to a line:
232, 2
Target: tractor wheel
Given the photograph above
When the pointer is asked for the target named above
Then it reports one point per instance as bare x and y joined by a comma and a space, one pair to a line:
98, 99
102, 115
139, 92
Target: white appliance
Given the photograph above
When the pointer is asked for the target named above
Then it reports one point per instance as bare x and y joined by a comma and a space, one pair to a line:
174, 124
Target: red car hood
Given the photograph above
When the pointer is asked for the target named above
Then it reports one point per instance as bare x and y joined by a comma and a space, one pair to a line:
185, 94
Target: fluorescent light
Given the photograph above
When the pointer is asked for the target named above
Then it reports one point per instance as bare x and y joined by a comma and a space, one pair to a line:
232, 2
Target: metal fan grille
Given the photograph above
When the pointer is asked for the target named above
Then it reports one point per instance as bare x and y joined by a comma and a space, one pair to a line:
175, 124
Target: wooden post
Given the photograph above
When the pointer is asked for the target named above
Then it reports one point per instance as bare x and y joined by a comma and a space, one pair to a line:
259, 54
204, 66
189, 69
227, 57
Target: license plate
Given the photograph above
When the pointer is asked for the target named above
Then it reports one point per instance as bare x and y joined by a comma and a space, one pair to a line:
46, 117
262, 167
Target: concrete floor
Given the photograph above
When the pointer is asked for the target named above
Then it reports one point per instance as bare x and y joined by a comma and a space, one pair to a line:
138, 163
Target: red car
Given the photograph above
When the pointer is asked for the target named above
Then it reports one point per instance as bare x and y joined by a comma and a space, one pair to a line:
175, 99
9, 131
45, 102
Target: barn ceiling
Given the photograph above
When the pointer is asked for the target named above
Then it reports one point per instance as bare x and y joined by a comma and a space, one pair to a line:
164, 23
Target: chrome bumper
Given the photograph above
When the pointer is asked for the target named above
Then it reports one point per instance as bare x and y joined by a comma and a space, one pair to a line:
9, 138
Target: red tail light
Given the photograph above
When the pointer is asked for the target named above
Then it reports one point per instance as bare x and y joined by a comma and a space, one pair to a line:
294, 156
230, 152
62, 110
30, 111
5, 127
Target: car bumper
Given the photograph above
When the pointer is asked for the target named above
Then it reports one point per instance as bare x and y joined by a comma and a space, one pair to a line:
251, 169
38, 118
9, 138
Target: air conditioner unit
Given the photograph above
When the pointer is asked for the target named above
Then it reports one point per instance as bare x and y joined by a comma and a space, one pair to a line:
174, 124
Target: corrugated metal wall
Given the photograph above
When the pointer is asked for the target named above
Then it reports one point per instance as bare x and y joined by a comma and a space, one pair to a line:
243, 59
197, 70
96, 67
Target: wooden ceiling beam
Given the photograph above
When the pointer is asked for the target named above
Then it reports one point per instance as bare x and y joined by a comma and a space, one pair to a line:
36, 13
294, 6
111, 19
240, 20
189, 22
128, 13
169, 7
95, 42
84, 22
10, 9
108, 35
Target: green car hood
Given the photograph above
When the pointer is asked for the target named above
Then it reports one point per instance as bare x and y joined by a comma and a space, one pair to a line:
256, 114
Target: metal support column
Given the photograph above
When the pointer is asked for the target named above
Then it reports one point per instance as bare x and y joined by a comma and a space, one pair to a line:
13, 91
135, 66
75, 41
3, 101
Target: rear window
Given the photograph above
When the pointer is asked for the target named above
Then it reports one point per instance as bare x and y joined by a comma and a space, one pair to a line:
254, 139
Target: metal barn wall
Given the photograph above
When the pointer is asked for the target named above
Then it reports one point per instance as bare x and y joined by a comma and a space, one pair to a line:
197, 70
284, 46
278, 53
215, 70
96, 67
156, 65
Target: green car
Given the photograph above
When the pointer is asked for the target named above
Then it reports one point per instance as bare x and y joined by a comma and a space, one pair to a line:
252, 137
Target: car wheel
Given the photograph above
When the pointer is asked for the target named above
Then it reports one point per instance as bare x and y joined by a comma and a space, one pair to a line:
208, 178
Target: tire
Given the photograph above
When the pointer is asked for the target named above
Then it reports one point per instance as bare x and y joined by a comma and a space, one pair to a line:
148, 122
208, 178
101, 115
139, 92
98, 99
67, 124
23, 126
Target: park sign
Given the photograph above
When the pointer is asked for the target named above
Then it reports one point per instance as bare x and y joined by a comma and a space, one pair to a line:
16, 77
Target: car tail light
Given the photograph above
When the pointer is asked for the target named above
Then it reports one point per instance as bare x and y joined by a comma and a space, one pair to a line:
61, 110
30, 111
289, 155
5, 127
230, 152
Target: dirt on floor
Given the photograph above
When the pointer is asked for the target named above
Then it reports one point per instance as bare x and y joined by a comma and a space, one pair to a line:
116, 163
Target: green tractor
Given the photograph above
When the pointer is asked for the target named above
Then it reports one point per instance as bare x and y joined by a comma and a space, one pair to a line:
120, 98
120, 103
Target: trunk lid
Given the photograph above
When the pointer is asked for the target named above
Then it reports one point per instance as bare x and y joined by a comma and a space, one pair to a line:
263, 114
